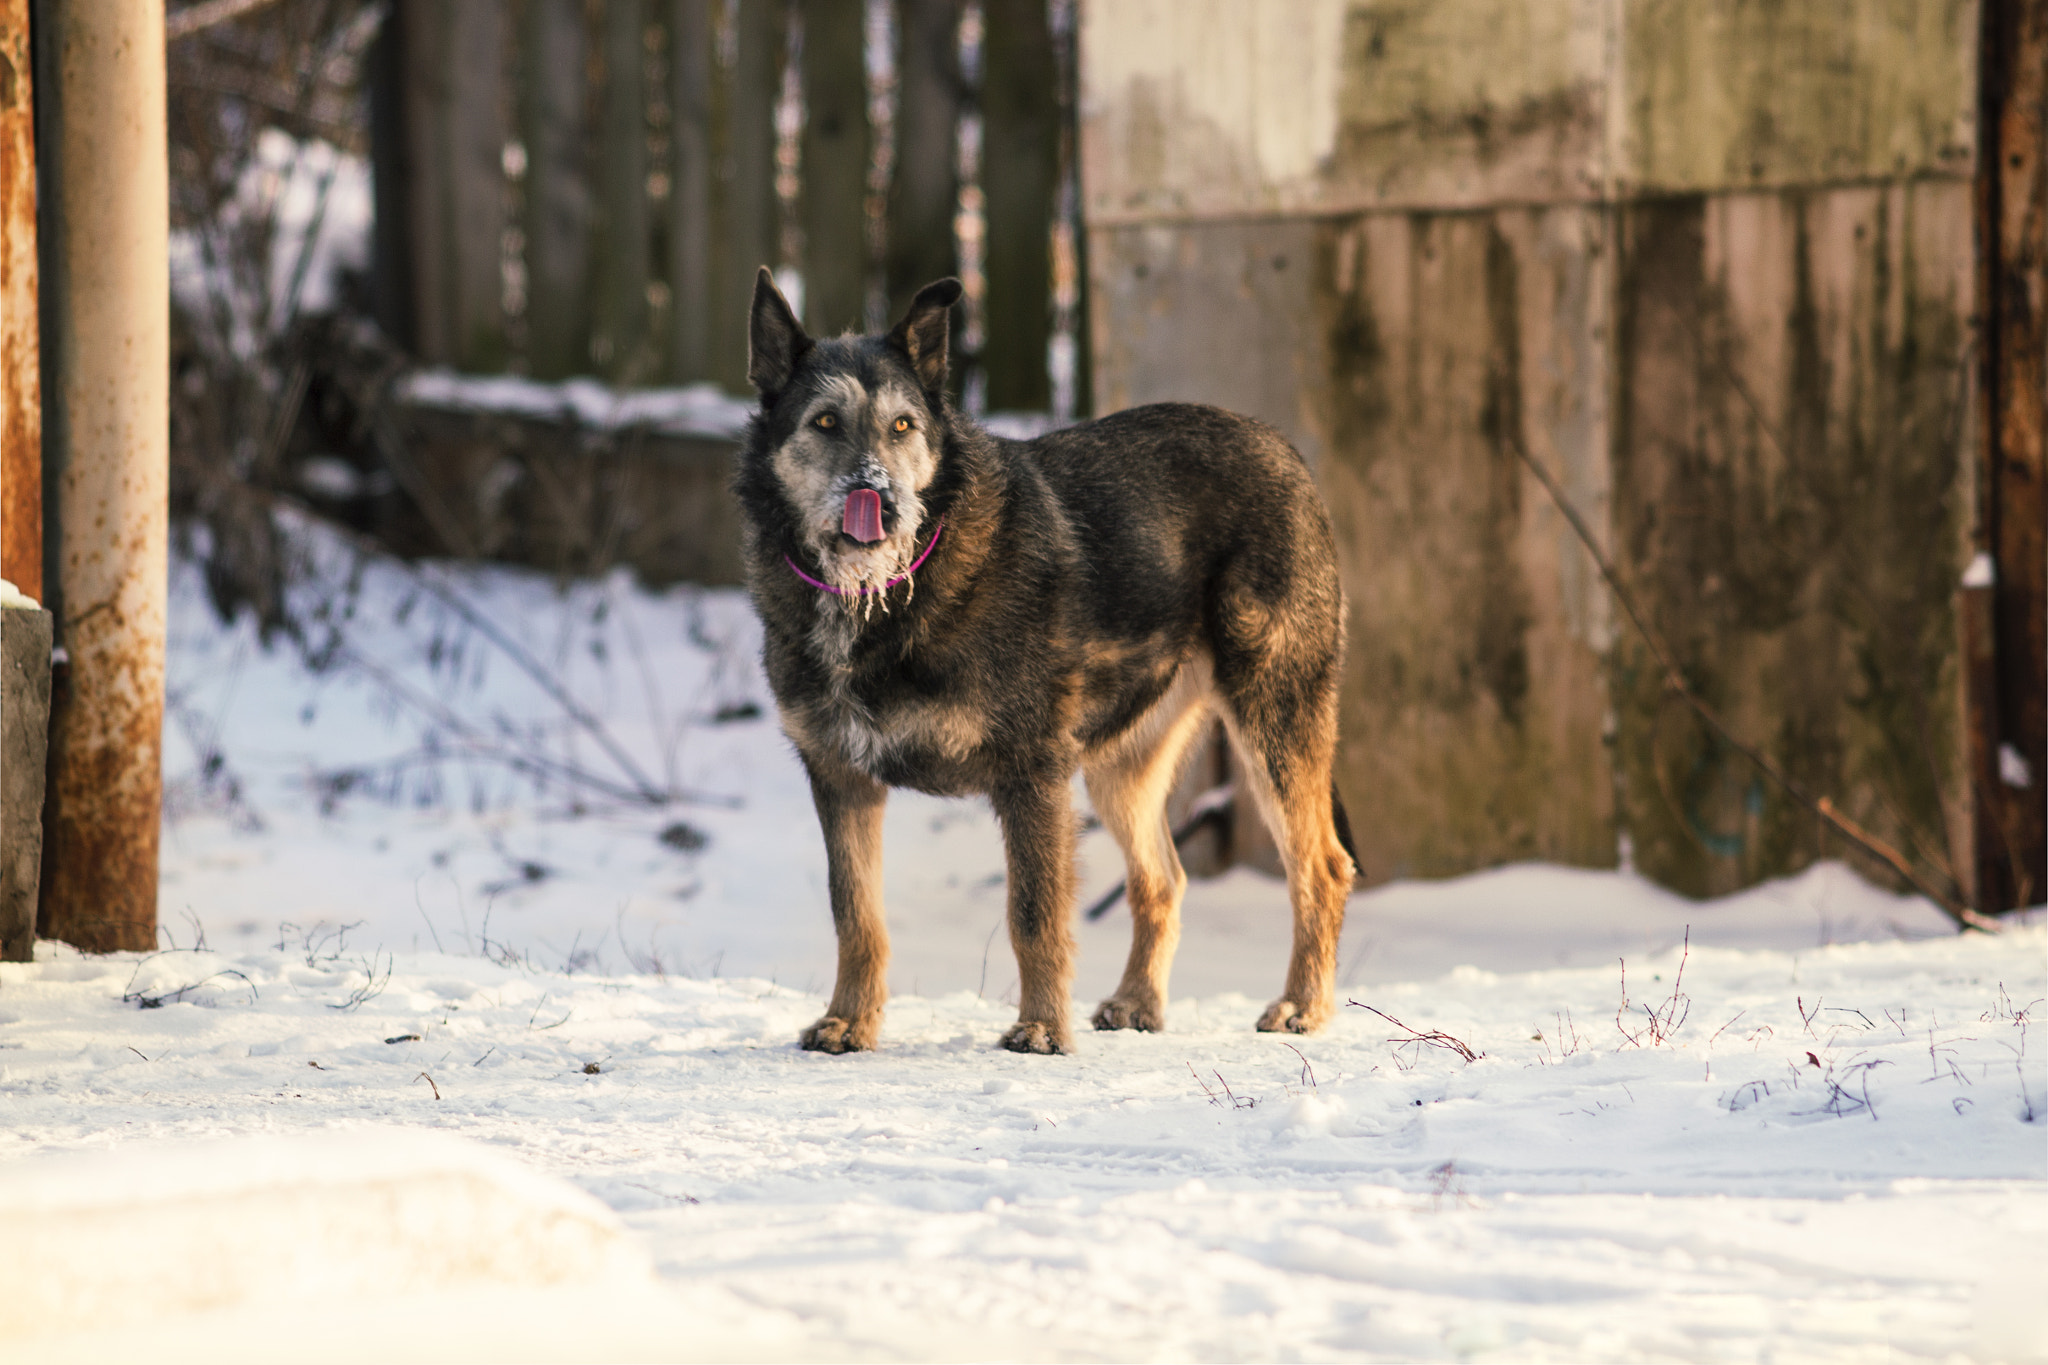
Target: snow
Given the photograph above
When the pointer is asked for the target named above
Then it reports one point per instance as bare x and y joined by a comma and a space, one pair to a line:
695, 410
1815, 1132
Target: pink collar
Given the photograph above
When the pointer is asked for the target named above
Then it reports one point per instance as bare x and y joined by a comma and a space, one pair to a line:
856, 592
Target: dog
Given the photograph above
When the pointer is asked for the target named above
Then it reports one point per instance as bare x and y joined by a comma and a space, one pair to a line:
962, 614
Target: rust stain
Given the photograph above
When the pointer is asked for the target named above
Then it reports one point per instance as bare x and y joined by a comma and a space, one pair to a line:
104, 797
21, 425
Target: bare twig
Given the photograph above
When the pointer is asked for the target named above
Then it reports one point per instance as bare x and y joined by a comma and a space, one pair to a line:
1674, 681
1418, 1038
423, 1076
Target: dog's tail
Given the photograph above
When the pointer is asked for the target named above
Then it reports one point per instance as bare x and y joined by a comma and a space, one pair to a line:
1342, 819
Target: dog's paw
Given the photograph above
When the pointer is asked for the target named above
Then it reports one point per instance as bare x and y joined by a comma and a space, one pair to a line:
832, 1034
1147, 1016
1034, 1035
1284, 1016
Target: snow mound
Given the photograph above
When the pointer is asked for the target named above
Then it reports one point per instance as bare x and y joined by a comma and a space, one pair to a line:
92, 1240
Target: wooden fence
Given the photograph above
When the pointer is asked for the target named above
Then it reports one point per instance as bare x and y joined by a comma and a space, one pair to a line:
574, 187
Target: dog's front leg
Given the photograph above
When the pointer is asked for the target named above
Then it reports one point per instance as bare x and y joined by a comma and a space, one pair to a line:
1038, 832
850, 810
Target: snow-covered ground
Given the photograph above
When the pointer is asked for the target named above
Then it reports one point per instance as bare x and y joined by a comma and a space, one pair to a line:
411, 889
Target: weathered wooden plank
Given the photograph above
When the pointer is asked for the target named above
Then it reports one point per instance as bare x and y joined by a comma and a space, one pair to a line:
1475, 691
1208, 313
746, 225
552, 126
691, 125
454, 53
1019, 181
1790, 503
620, 342
924, 189
835, 167
21, 403
24, 745
1398, 351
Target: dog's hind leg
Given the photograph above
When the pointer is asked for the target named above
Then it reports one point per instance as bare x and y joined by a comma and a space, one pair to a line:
1038, 832
1129, 786
850, 810
1293, 795
1276, 674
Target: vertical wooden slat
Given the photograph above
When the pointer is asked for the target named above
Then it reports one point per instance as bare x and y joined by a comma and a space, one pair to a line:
924, 192
1019, 177
552, 128
746, 221
105, 274
455, 125
835, 167
619, 337
394, 296
21, 424
691, 66
2009, 717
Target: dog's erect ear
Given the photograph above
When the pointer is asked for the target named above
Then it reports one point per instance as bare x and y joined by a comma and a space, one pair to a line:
922, 334
775, 339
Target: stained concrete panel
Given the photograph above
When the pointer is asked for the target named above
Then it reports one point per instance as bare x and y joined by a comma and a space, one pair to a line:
1728, 94
1205, 109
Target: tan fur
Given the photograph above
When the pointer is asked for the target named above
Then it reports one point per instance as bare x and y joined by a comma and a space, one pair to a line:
1319, 877
1129, 781
850, 811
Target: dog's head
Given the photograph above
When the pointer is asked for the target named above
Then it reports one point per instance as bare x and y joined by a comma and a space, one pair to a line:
854, 430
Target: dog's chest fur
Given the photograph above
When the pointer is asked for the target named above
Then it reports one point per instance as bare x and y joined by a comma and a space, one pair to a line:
901, 735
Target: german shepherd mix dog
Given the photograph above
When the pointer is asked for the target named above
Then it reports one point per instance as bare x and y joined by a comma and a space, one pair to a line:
957, 613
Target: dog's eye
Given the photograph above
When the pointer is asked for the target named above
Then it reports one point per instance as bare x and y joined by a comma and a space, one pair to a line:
902, 425
827, 422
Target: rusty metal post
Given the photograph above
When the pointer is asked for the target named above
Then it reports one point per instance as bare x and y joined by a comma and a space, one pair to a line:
2005, 611
106, 394
21, 422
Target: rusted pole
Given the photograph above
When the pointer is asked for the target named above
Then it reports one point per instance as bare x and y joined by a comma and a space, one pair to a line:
106, 393
21, 421
2005, 599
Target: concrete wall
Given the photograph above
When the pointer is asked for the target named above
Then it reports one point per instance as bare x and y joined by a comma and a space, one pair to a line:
1711, 261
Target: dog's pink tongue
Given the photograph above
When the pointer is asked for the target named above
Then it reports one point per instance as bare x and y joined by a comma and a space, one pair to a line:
863, 515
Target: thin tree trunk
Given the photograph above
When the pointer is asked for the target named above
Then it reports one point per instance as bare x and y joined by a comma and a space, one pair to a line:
924, 193
552, 96
1019, 178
